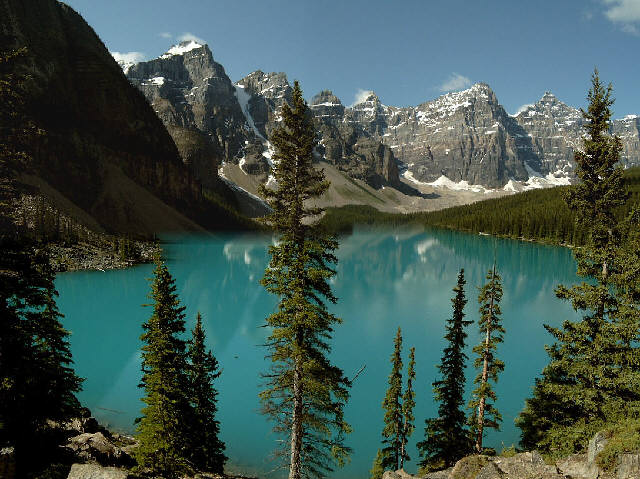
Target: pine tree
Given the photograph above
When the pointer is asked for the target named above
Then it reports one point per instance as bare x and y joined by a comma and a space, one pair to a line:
485, 415
35, 359
392, 404
377, 470
592, 377
163, 427
305, 393
206, 450
408, 403
446, 437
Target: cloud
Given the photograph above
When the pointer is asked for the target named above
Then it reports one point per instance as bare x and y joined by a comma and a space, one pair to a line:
186, 37
455, 82
522, 108
166, 35
361, 95
625, 13
128, 57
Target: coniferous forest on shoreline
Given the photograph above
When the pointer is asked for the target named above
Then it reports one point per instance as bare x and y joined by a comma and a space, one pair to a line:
591, 383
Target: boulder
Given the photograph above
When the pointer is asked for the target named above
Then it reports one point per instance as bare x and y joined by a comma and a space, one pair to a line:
490, 471
399, 474
98, 448
468, 467
577, 466
7, 463
525, 465
443, 474
95, 471
628, 466
596, 445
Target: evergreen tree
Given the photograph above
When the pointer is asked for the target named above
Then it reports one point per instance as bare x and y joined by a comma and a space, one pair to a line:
162, 429
485, 415
446, 437
207, 450
392, 404
35, 359
408, 403
592, 377
305, 393
377, 470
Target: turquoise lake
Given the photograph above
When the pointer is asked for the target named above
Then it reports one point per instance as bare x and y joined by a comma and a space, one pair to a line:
384, 280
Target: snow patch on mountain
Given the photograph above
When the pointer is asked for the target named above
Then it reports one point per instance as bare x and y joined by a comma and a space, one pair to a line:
243, 99
182, 48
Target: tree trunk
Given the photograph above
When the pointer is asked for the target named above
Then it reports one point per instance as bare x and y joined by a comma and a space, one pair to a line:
296, 422
403, 443
485, 371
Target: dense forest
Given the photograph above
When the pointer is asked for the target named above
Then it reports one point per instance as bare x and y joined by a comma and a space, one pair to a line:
539, 215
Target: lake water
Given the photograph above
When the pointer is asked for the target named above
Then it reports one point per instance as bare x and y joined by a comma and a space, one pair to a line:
384, 280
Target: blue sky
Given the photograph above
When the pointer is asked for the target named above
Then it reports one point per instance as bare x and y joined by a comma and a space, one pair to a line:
407, 51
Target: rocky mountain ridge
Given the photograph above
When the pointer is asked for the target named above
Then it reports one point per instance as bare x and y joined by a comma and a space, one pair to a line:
458, 140
102, 157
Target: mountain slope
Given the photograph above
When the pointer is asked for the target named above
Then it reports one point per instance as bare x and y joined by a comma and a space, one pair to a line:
100, 133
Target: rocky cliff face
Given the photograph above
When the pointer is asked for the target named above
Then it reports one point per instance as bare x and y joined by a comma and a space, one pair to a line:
194, 98
350, 147
465, 136
461, 136
104, 154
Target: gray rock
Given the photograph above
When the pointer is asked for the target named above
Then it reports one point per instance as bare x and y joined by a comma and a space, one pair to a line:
577, 466
95, 471
96, 447
7, 463
399, 474
628, 466
490, 471
443, 474
526, 465
468, 467
596, 445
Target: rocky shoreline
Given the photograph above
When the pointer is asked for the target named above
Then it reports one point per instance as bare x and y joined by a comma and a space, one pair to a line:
83, 256
93, 452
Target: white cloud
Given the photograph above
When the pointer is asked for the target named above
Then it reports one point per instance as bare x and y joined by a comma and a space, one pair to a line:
455, 82
361, 95
128, 57
188, 37
522, 108
166, 35
625, 13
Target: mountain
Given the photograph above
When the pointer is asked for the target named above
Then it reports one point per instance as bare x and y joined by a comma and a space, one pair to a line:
104, 157
458, 140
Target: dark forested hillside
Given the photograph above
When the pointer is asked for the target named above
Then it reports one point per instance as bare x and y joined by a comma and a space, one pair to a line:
102, 156
539, 215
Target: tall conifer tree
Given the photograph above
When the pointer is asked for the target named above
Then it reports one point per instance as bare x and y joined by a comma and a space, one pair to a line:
484, 414
392, 405
408, 403
163, 428
206, 450
591, 378
305, 393
446, 437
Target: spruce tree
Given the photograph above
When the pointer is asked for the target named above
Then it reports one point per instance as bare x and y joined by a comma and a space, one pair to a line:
305, 394
377, 470
408, 403
485, 415
392, 404
446, 436
206, 450
592, 377
163, 428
